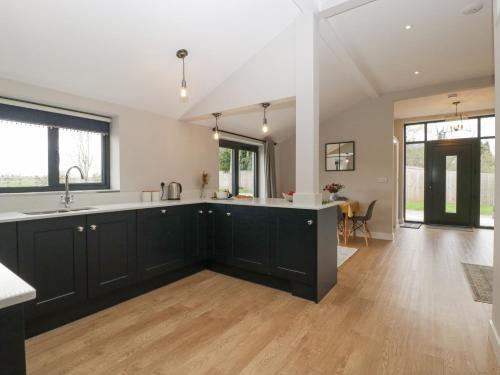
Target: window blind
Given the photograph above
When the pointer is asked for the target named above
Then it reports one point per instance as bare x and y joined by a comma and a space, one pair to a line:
37, 114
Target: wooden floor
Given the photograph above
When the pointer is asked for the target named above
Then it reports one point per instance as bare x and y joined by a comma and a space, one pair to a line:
400, 307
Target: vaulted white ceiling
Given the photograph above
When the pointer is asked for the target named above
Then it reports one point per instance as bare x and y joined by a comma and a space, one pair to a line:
124, 51
241, 53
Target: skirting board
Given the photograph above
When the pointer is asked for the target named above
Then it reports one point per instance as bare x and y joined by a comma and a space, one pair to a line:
494, 340
378, 235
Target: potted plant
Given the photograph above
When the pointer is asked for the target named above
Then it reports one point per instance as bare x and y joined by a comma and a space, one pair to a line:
333, 189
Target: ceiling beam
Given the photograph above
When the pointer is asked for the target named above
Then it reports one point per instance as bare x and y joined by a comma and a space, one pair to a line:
330, 8
335, 45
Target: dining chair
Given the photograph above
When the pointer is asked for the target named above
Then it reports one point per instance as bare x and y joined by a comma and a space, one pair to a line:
361, 222
341, 231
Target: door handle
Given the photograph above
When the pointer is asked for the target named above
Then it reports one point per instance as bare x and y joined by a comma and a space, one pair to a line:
93, 227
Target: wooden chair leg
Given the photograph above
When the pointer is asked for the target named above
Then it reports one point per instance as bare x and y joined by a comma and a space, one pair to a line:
365, 231
368, 230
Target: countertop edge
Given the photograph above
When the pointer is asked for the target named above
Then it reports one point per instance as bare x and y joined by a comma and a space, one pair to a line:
14, 289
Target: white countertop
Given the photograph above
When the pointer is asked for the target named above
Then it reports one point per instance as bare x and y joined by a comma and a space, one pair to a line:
13, 290
13, 216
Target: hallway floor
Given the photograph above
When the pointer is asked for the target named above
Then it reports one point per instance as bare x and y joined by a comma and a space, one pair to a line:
401, 307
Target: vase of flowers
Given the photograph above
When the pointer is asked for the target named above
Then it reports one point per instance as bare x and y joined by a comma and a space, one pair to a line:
333, 189
204, 182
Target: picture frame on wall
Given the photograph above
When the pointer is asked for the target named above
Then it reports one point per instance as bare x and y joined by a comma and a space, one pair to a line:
340, 156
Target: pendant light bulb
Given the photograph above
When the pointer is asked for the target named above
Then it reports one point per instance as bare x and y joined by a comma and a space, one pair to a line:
183, 93
265, 128
216, 129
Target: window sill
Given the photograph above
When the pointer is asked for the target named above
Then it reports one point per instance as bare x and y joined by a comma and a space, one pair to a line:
58, 192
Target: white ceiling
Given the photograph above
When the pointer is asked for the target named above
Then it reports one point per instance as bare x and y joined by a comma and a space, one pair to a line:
438, 105
124, 51
444, 45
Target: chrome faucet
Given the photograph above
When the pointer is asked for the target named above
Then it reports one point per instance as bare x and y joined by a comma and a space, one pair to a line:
67, 199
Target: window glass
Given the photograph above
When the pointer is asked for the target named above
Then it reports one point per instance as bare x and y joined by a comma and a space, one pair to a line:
83, 149
488, 127
225, 169
415, 133
414, 186
451, 184
452, 129
246, 177
23, 155
487, 196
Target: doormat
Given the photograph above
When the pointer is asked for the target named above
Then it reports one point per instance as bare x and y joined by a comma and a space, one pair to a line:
344, 253
450, 227
411, 225
481, 281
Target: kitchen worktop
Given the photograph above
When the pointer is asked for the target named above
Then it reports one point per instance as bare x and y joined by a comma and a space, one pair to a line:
13, 289
14, 216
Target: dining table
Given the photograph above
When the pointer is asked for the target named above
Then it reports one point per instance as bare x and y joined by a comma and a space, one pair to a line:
349, 209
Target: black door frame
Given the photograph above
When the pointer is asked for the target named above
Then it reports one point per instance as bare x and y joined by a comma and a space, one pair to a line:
476, 181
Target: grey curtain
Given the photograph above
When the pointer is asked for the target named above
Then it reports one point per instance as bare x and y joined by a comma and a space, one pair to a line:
270, 168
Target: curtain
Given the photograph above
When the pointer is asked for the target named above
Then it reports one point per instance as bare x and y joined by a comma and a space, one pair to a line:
270, 168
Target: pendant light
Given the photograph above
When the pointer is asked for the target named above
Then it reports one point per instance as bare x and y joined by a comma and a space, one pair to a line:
458, 118
183, 93
265, 128
216, 129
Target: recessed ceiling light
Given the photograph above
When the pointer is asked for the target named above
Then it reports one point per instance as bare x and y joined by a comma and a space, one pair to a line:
416, 72
408, 27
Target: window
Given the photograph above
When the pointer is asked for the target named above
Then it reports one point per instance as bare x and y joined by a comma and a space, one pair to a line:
487, 184
238, 168
467, 128
38, 144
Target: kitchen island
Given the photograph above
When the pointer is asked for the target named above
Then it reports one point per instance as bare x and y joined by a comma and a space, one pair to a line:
83, 261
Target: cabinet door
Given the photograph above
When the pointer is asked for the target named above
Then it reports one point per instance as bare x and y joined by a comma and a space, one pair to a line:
52, 258
8, 246
221, 232
250, 244
161, 240
196, 233
112, 255
294, 244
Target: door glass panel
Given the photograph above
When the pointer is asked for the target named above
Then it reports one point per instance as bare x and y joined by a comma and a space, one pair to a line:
415, 133
488, 127
414, 182
225, 169
487, 196
452, 129
451, 184
246, 177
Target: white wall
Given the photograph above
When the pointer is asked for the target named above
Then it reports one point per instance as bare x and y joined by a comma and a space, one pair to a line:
285, 165
151, 149
495, 319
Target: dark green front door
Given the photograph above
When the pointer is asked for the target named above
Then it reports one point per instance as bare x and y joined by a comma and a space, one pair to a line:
451, 182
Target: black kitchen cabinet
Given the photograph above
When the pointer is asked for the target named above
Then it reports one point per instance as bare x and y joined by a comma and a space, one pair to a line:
8, 246
53, 259
293, 244
249, 247
112, 251
196, 233
160, 240
221, 232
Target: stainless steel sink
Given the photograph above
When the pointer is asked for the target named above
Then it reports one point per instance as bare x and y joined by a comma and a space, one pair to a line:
58, 211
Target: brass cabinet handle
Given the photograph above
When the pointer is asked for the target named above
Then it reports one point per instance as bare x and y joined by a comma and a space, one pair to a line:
228, 213
200, 212
80, 229
210, 212
310, 222
93, 227
163, 211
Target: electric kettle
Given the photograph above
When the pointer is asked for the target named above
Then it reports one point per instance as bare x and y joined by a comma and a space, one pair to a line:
174, 191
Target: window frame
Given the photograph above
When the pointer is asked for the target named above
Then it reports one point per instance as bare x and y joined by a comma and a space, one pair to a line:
425, 141
53, 155
235, 148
